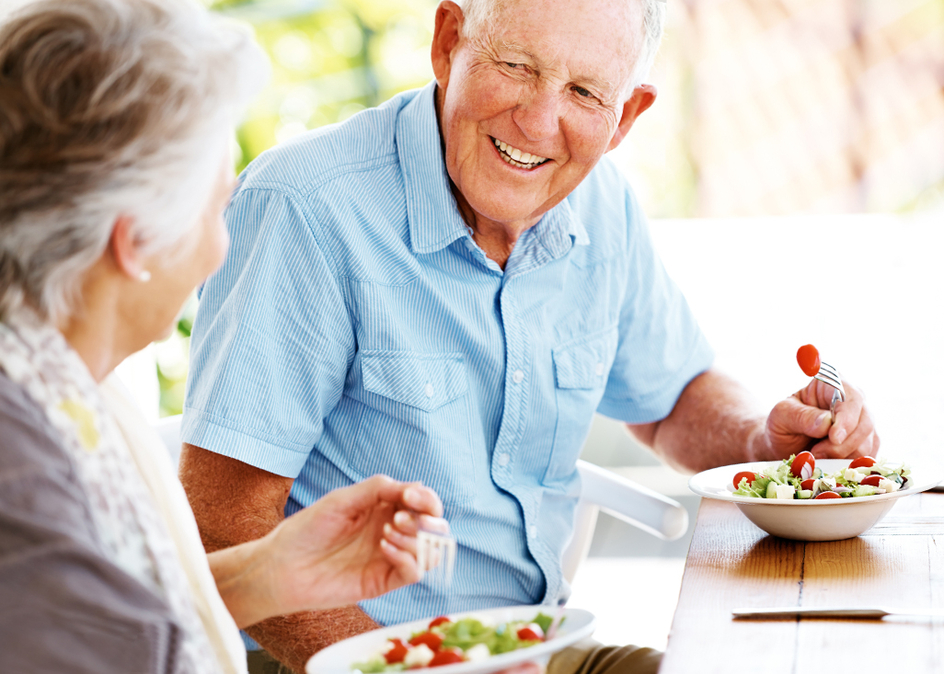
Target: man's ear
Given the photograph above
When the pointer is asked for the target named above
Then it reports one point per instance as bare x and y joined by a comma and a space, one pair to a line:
446, 35
643, 97
125, 251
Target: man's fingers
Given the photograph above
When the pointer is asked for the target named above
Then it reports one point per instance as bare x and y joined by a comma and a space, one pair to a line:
863, 441
792, 416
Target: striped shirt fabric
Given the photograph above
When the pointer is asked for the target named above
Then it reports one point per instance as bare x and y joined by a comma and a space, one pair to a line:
356, 328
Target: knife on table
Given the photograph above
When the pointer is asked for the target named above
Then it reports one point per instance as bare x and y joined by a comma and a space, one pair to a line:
868, 613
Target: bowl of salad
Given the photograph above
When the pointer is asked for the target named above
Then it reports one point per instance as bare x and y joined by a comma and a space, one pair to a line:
470, 643
810, 499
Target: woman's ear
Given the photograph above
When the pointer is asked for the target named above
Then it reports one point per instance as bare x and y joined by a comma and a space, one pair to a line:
126, 252
446, 36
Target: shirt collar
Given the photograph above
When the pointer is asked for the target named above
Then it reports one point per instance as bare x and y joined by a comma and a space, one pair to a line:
435, 221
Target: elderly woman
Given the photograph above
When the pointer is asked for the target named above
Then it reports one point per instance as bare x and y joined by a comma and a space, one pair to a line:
116, 121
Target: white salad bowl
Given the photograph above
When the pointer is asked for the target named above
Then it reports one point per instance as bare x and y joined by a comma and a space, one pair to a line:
339, 658
805, 520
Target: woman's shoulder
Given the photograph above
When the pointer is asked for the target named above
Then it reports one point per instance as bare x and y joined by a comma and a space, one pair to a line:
64, 605
28, 442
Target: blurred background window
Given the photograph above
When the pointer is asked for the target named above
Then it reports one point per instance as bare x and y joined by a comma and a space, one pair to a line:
765, 107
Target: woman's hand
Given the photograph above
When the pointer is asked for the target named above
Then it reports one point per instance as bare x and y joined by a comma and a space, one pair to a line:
355, 543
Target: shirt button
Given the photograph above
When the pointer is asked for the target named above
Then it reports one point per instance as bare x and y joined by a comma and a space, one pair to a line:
503, 459
599, 369
518, 376
429, 390
533, 531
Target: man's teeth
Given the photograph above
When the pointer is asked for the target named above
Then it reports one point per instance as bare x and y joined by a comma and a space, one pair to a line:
516, 157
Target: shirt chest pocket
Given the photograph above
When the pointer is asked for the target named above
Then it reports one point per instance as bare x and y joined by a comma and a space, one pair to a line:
581, 368
414, 421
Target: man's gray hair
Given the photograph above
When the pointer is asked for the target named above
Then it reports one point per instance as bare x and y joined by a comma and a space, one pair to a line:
479, 15
109, 108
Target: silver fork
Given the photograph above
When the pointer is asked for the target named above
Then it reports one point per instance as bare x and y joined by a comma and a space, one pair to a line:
436, 557
830, 376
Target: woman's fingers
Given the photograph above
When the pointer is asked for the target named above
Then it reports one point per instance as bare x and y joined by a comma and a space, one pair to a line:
422, 499
403, 562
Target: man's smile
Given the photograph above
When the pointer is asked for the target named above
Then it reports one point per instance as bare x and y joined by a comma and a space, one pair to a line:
516, 157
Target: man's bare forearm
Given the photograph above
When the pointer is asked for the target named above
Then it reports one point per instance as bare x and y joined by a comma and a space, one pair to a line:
714, 423
294, 638
234, 503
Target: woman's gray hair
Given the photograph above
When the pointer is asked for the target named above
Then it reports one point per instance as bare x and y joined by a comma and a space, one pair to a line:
109, 108
480, 14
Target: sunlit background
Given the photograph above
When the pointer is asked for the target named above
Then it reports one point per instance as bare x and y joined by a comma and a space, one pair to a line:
765, 107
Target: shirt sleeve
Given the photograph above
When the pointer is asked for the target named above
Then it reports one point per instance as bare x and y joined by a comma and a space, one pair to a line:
64, 607
661, 348
272, 340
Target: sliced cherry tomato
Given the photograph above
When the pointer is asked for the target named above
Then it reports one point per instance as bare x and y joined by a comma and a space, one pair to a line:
528, 634
872, 480
450, 656
434, 641
438, 621
740, 476
862, 462
828, 494
396, 653
807, 484
803, 465
808, 359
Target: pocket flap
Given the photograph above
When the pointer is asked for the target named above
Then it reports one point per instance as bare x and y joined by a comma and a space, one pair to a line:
426, 381
585, 363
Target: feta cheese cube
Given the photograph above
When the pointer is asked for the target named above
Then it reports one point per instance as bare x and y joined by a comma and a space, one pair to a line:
889, 485
418, 656
478, 653
785, 491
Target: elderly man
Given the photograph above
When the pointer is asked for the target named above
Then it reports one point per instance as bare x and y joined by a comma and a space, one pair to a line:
446, 289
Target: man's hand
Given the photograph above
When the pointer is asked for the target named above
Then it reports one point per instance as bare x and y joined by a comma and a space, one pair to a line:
715, 422
354, 543
803, 422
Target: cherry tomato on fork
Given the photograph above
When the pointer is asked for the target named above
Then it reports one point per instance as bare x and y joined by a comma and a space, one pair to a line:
803, 465
808, 359
435, 622
862, 461
744, 474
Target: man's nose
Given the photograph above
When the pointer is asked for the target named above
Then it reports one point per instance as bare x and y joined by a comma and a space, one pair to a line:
538, 115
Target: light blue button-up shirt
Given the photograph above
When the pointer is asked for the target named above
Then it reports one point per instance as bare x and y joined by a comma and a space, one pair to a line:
356, 328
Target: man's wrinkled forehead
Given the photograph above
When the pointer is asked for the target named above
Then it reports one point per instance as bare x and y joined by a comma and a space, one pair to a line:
491, 19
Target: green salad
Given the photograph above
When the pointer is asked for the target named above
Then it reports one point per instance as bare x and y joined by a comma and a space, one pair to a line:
446, 642
799, 478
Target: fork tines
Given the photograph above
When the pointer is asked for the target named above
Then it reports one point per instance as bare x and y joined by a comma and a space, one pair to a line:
436, 557
830, 375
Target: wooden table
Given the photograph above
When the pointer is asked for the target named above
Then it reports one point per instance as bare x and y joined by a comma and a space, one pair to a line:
733, 564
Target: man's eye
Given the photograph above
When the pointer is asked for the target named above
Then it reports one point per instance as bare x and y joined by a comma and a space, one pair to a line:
582, 92
512, 65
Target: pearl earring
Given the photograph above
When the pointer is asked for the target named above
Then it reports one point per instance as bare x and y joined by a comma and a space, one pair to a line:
144, 276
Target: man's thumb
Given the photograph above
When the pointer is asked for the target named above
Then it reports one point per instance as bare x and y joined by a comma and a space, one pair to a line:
806, 419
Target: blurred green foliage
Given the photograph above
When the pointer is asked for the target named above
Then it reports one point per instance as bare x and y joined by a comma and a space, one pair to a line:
330, 59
